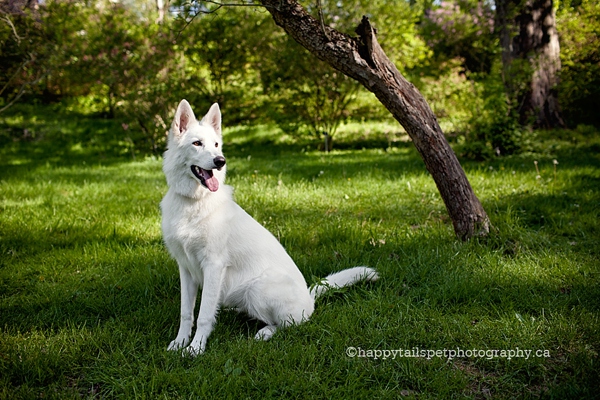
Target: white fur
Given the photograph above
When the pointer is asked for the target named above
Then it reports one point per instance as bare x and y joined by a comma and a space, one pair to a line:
221, 249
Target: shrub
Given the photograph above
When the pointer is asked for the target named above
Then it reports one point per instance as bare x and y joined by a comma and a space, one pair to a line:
579, 90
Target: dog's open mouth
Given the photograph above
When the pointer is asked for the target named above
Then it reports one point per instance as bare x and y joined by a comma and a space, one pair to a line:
206, 178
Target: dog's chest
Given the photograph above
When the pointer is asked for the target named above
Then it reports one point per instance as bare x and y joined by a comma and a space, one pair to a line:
185, 225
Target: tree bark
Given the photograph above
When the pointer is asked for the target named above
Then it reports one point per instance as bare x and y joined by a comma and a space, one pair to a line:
363, 59
161, 7
531, 53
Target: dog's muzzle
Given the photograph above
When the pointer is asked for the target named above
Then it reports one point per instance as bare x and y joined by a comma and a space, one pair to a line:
219, 162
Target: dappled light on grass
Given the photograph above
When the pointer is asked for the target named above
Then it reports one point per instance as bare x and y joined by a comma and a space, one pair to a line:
89, 296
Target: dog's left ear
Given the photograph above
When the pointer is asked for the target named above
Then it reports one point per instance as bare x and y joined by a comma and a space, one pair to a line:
213, 118
183, 117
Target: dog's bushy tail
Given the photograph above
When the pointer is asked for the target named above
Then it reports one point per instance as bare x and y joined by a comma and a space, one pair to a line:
343, 278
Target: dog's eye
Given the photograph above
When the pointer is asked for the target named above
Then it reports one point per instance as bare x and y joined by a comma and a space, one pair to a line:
197, 143
216, 144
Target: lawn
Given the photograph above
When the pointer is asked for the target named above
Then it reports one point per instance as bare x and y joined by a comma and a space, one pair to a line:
89, 298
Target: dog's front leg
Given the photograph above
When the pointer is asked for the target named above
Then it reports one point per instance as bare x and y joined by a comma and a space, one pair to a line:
209, 305
189, 290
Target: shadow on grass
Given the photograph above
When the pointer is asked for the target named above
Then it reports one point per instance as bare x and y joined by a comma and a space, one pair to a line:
30, 136
423, 256
539, 265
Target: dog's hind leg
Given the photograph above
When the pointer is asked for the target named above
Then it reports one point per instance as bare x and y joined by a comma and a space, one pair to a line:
266, 333
189, 290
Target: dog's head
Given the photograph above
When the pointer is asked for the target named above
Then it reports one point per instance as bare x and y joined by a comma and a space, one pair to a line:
194, 159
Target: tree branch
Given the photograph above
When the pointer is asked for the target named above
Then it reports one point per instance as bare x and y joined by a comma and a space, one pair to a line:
22, 91
364, 60
219, 5
320, 11
10, 23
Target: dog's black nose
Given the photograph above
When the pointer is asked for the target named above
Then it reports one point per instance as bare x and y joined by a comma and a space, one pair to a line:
219, 161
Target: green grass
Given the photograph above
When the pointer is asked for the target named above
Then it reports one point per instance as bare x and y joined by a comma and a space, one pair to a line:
89, 298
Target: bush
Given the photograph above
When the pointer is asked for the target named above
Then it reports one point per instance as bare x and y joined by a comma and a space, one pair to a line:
579, 90
493, 128
501, 135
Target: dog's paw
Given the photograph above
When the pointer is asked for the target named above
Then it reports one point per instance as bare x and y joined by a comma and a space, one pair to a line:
193, 351
177, 344
266, 333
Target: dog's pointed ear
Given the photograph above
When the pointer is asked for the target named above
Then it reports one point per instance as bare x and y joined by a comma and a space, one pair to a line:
213, 118
183, 117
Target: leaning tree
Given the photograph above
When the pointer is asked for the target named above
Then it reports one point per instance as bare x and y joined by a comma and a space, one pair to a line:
363, 59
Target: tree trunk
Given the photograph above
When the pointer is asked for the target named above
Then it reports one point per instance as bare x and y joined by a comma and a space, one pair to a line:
363, 59
531, 55
161, 7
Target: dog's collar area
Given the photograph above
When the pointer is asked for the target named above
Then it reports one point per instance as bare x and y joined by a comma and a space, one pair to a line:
206, 178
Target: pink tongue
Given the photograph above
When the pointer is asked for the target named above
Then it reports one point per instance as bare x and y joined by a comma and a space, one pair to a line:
211, 182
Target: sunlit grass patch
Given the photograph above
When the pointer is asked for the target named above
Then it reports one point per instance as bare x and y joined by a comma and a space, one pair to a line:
89, 298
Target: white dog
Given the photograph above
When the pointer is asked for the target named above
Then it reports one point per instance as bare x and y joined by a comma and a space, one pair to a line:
220, 248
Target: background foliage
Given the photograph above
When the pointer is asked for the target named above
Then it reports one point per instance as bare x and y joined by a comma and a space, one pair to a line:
579, 28
114, 58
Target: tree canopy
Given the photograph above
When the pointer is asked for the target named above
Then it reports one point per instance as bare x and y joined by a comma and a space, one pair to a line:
123, 60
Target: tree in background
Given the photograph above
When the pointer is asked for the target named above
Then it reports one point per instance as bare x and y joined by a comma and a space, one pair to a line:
462, 30
531, 59
221, 54
579, 88
26, 46
510, 56
130, 67
463, 81
363, 59
304, 90
121, 59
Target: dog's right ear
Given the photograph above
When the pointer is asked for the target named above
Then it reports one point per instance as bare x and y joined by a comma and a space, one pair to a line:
183, 117
213, 118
